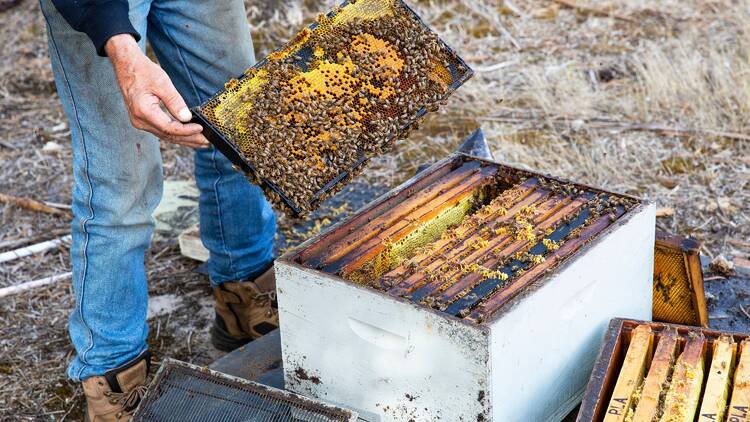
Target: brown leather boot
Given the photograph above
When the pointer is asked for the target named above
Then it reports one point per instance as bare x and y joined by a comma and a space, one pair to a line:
245, 310
114, 396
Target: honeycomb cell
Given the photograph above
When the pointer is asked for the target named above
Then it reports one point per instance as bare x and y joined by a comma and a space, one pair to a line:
313, 113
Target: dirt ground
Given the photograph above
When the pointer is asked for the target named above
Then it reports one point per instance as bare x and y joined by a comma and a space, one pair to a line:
646, 97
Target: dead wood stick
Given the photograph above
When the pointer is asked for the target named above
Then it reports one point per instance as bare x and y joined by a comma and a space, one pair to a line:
592, 10
601, 123
33, 249
739, 243
664, 128
12, 290
17, 243
30, 204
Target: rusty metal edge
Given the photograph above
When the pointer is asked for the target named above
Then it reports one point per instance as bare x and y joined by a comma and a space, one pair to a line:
673, 241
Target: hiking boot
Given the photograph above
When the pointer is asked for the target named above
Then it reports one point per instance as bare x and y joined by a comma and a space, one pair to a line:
114, 396
245, 310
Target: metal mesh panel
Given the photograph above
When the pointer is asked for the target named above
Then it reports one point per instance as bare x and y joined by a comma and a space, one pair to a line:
182, 392
310, 115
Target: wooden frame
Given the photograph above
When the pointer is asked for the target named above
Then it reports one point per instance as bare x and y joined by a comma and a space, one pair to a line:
679, 297
611, 354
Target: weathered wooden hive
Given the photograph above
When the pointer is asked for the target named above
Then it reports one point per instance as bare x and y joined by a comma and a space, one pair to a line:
474, 291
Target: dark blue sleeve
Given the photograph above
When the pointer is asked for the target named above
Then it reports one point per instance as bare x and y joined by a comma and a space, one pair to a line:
99, 19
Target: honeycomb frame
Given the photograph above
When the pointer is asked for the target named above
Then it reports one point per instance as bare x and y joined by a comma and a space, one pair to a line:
212, 114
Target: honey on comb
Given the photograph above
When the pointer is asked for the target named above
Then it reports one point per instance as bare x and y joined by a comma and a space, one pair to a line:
338, 94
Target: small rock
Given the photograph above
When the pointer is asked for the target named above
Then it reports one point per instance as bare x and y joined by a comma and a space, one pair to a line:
665, 212
546, 13
726, 205
577, 125
722, 266
710, 298
59, 127
51, 147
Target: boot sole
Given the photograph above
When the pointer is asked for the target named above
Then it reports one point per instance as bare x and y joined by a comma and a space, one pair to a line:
221, 339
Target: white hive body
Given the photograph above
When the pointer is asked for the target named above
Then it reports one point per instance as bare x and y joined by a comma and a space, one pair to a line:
396, 358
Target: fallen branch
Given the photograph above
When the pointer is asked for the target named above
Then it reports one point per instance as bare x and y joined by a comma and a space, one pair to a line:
494, 67
30, 204
738, 243
741, 263
592, 10
19, 242
557, 122
12, 290
677, 129
33, 249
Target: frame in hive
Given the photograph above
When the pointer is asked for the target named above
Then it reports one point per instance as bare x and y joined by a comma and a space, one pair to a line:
470, 236
309, 116
715, 356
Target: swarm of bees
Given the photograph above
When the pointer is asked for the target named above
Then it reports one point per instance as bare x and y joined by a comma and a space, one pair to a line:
340, 93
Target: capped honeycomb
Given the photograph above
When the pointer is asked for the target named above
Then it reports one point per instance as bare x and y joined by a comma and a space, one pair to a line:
309, 116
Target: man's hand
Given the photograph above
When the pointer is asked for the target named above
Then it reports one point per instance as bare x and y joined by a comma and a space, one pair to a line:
144, 87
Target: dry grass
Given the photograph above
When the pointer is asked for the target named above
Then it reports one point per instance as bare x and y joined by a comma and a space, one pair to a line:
577, 96
648, 108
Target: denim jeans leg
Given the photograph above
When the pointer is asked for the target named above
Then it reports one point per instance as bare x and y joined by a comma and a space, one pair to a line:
201, 45
117, 184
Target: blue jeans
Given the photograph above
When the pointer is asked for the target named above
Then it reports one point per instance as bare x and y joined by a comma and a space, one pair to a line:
118, 172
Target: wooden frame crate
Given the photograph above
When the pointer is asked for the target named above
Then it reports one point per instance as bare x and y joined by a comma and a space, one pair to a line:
596, 399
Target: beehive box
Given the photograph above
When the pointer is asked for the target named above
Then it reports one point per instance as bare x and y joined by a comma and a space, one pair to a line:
474, 291
679, 296
690, 374
308, 117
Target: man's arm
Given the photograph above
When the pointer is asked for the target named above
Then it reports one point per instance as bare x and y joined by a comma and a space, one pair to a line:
98, 19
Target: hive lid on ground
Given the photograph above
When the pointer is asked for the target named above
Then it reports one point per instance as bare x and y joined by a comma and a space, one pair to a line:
183, 392
309, 116
466, 236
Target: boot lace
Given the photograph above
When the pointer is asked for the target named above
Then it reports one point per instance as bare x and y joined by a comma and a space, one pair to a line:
128, 400
267, 298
